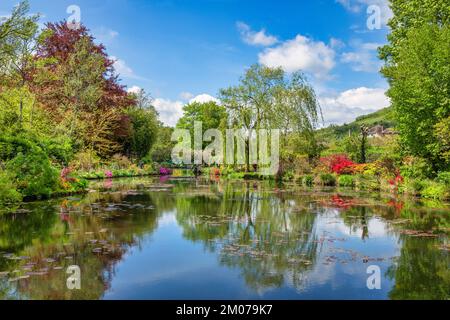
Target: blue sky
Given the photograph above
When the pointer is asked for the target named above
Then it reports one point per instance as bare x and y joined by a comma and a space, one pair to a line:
179, 50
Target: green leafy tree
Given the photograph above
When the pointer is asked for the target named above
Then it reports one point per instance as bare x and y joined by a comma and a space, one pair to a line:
210, 114
418, 69
144, 128
162, 149
267, 98
18, 39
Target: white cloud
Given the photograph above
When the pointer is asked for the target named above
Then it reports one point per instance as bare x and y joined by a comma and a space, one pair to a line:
134, 89
336, 43
358, 6
364, 58
351, 5
350, 104
203, 98
186, 95
254, 38
169, 111
301, 53
124, 70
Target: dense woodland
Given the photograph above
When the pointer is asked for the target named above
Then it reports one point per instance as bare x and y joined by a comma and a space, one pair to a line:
65, 116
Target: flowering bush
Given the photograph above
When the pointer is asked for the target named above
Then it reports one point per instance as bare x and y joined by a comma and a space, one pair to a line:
65, 175
394, 183
108, 174
215, 172
339, 164
165, 171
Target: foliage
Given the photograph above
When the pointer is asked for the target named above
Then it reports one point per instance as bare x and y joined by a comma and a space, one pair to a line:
346, 181
444, 177
367, 182
416, 168
327, 179
165, 171
418, 69
85, 160
210, 114
267, 98
435, 190
162, 149
8, 190
144, 127
119, 161
308, 180
339, 164
76, 85
33, 173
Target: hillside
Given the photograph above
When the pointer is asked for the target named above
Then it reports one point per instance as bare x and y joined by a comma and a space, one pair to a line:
384, 117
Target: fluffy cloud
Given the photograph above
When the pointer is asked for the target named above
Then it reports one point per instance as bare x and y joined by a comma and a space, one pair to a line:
169, 111
203, 98
254, 38
134, 89
364, 58
348, 105
357, 6
301, 53
124, 70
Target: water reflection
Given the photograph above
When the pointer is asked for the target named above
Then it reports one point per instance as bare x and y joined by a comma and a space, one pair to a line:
257, 240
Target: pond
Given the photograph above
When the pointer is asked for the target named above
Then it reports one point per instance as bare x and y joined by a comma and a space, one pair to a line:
152, 238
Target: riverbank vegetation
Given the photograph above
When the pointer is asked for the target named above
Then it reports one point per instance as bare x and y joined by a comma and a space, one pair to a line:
65, 117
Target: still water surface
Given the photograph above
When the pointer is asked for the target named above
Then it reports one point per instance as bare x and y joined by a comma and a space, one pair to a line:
201, 239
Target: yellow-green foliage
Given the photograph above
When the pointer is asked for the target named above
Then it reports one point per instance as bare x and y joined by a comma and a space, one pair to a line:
435, 190
8, 191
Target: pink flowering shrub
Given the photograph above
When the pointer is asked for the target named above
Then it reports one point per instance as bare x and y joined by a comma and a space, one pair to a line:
165, 171
108, 174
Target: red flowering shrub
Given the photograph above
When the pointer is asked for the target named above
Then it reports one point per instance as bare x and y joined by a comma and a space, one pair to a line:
215, 172
339, 164
394, 183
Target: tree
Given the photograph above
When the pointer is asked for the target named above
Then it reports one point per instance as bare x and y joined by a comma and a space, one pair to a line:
162, 149
76, 84
412, 14
418, 70
18, 40
210, 114
144, 129
267, 98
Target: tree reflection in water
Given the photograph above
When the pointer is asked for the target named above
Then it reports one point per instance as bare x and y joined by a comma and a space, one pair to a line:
269, 233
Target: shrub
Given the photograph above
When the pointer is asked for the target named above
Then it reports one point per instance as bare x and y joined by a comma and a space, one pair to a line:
308, 180
412, 186
8, 191
433, 190
86, 161
444, 177
33, 173
109, 174
120, 161
288, 175
327, 179
367, 182
339, 164
165, 171
346, 181
416, 168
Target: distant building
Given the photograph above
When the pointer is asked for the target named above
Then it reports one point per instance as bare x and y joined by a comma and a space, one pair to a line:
380, 131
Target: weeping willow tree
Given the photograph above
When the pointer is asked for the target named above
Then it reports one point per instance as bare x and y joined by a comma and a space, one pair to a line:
268, 98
